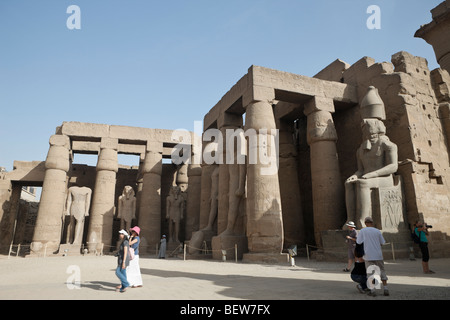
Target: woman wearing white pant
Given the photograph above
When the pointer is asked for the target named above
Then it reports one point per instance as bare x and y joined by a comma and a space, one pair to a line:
133, 270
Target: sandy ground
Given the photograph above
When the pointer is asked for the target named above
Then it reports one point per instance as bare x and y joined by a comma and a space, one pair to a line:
175, 279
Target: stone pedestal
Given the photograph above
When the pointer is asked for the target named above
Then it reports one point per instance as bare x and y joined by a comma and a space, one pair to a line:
388, 207
197, 240
70, 250
272, 258
229, 243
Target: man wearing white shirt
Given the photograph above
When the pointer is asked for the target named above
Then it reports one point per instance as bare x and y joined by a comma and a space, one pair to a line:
372, 239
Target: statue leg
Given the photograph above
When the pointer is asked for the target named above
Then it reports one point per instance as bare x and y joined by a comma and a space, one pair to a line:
171, 237
363, 202
78, 231
212, 214
177, 229
350, 201
71, 230
233, 199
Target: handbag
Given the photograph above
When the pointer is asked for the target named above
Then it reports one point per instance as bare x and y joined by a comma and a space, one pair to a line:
131, 251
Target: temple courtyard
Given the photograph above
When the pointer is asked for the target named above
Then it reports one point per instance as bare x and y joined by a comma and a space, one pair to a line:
176, 279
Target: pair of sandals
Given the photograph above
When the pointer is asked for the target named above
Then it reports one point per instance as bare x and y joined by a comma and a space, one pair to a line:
120, 289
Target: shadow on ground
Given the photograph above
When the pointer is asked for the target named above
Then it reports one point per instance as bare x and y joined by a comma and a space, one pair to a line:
237, 287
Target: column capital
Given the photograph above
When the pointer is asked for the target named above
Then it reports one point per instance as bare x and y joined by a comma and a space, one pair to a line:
60, 140
229, 120
318, 103
259, 115
107, 158
109, 143
320, 127
257, 93
153, 158
58, 153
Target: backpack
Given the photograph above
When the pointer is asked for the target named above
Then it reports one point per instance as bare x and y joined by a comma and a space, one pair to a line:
415, 237
359, 250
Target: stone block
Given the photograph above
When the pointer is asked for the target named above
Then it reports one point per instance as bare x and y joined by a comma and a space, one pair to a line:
228, 243
70, 250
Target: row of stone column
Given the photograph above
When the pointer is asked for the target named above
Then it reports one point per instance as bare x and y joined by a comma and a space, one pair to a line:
264, 225
265, 229
49, 223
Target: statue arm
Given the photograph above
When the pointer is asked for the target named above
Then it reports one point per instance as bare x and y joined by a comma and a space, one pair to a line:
360, 170
183, 205
119, 209
88, 202
242, 175
68, 202
391, 159
134, 208
167, 208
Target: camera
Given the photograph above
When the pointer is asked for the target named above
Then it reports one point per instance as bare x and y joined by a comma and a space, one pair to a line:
428, 226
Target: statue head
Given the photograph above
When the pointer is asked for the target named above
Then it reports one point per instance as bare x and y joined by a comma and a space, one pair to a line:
175, 191
372, 107
372, 130
128, 192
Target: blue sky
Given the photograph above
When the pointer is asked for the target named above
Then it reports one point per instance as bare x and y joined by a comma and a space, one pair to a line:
164, 64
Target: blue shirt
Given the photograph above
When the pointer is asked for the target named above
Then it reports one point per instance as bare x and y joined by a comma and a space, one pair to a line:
135, 246
421, 234
372, 239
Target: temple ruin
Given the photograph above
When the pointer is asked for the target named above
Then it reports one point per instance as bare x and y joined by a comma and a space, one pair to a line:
309, 127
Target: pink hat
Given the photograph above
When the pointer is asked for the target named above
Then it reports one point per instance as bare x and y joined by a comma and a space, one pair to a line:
136, 229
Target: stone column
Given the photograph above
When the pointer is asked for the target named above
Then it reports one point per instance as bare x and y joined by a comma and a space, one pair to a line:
47, 232
263, 206
102, 212
193, 199
224, 122
437, 33
327, 185
291, 199
205, 194
150, 204
139, 185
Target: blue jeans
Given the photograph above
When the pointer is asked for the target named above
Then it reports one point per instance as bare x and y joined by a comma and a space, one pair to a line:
122, 275
362, 280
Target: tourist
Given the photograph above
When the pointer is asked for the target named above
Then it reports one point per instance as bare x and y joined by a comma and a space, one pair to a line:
134, 271
359, 274
123, 260
351, 242
162, 248
373, 256
421, 230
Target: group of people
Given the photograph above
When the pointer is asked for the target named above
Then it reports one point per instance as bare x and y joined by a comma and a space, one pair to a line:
364, 250
128, 270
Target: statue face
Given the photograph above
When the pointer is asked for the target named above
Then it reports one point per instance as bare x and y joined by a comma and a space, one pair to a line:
176, 191
372, 129
128, 191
